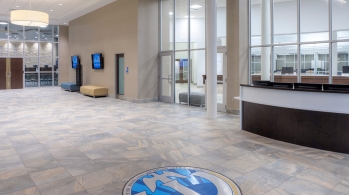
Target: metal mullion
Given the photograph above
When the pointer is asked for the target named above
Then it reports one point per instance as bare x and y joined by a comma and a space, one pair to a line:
39, 57
299, 78
160, 24
249, 44
272, 40
189, 47
174, 54
330, 77
342, 40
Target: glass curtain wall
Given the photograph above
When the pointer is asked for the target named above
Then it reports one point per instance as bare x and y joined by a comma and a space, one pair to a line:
299, 41
38, 46
183, 28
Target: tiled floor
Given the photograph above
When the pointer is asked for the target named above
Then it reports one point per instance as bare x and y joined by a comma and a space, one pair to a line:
54, 142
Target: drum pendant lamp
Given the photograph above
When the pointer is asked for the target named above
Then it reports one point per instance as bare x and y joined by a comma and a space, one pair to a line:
29, 17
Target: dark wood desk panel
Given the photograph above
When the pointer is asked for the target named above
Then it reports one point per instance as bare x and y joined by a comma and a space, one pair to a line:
2, 73
16, 73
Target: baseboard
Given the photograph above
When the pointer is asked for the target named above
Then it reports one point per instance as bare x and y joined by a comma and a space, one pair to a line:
120, 97
139, 101
233, 111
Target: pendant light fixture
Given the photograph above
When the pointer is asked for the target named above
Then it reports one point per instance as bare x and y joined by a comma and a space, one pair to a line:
29, 17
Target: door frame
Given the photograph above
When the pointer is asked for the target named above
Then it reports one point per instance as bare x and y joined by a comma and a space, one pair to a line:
171, 78
222, 107
116, 81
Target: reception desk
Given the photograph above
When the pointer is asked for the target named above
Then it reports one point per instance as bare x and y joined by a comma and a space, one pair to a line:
306, 78
306, 117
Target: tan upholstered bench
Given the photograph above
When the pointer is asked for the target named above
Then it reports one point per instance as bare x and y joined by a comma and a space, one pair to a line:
94, 91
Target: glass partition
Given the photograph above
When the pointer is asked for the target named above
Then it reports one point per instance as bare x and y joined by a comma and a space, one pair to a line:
340, 10
15, 32
3, 30
55, 34
167, 24
285, 12
286, 64
46, 49
31, 49
222, 23
15, 49
3, 48
197, 23
340, 68
181, 77
46, 33
197, 75
31, 33
181, 23
315, 63
314, 20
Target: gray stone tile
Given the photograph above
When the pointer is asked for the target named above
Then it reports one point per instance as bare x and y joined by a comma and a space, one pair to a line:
29, 191
50, 175
72, 158
320, 178
239, 166
252, 187
342, 187
249, 146
134, 155
41, 165
97, 178
65, 186
268, 176
8, 152
99, 153
301, 187
126, 171
110, 161
285, 167
16, 184
107, 189
82, 168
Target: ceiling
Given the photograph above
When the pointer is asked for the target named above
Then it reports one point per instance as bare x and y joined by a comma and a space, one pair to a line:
69, 10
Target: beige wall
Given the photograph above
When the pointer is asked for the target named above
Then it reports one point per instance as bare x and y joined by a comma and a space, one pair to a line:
110, 30
125, 26
64, 55
237, 48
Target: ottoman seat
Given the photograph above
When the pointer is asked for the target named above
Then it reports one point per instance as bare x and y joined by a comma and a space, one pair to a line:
70, 86
94, 91
196, 98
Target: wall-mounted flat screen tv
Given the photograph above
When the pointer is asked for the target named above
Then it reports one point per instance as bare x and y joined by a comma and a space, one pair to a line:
75, 61
97, 61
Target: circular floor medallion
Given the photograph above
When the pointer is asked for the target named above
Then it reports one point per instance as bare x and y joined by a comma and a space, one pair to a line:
180, 181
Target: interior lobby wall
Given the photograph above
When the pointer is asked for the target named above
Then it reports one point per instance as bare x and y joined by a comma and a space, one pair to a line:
148, 49
237, 49
110, 30
64, 55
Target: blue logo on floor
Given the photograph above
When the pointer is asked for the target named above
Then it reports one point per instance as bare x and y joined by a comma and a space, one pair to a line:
180, 181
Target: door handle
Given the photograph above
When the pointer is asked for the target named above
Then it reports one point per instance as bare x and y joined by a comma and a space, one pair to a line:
169, 78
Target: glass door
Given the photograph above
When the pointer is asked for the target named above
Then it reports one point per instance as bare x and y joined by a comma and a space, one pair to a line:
221, 79
166, 77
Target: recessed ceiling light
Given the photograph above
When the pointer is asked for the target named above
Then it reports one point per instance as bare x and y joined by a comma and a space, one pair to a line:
51, 10
196, 6
17, 5
65, 23
171, 13
60, 4
36, 37
3, 22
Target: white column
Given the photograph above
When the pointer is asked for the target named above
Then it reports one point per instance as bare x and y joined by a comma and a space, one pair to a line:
265, 38
211, 80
